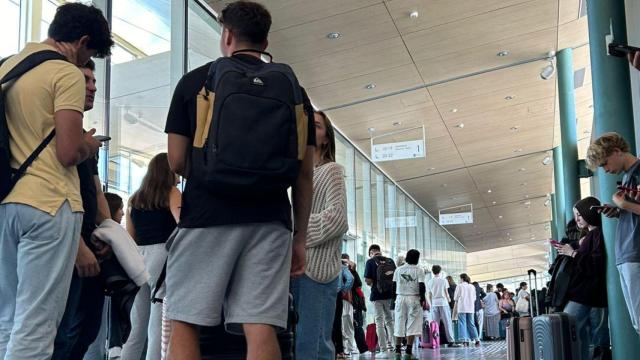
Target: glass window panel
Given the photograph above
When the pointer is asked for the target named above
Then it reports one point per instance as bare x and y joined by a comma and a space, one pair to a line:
377, 207
411, 225
400, 220
9, 27
391, 230
204, 36
140, 89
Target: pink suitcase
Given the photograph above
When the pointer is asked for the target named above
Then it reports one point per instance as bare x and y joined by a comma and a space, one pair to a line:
430, 338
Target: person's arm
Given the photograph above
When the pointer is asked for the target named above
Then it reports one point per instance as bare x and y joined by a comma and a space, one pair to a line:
175, 203
331, 222
348, 282
130, 228
457, 294
177, 147
446, 293
634, 59
357, 281
620, 199
73, 145
369, 273
103, 206
302, 193
86, 262
179, 132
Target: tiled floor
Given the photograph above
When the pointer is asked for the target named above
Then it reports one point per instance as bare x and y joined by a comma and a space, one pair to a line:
495, 350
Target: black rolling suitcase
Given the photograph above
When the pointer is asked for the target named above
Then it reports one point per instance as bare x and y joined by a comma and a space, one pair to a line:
555, 336
217, 344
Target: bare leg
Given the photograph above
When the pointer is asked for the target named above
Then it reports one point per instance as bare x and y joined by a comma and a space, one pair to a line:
184, 343
262, 342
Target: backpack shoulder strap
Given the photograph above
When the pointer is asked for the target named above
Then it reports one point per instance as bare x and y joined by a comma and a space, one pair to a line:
30, 62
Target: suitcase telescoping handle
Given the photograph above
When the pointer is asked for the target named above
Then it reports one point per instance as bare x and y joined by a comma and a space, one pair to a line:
534, 285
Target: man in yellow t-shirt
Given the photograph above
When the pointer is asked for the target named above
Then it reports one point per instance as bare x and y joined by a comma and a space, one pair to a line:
40, 219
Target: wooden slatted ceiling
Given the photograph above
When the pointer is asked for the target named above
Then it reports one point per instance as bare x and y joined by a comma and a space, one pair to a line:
382, 45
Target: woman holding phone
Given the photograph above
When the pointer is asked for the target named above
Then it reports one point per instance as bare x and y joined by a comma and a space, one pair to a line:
587, 291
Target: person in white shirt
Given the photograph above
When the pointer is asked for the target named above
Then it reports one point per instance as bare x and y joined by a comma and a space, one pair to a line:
491, 313
465, 299
522, 304
439, 299
408, 282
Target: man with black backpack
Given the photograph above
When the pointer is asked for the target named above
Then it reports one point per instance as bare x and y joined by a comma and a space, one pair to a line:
241, 132
378, 274
41, 139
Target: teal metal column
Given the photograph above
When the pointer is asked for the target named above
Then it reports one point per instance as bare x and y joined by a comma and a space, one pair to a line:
612, 112
558, 175
568, 136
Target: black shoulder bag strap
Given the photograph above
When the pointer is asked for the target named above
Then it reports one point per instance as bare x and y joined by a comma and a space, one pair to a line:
28, 63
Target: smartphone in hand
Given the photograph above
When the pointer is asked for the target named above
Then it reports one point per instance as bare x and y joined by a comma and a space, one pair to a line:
555, 243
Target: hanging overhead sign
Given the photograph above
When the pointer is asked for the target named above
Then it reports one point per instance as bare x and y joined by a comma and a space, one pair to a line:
456, 218
398, 151
456, 215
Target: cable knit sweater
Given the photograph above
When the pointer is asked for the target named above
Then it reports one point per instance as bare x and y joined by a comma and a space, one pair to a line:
327, 223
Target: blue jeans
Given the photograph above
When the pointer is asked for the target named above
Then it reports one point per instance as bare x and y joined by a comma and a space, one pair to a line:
467, 330
37, 253
596, 319
316, 305
82, 318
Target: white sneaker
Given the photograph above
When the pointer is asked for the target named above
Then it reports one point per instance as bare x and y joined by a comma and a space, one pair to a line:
384, 355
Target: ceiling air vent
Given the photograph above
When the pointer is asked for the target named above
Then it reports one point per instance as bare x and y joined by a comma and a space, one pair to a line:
578, 78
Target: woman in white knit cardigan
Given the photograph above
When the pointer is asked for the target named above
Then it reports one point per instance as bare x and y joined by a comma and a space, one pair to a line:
315, 292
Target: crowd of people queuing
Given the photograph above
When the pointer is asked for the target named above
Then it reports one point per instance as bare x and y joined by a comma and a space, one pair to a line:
229, 248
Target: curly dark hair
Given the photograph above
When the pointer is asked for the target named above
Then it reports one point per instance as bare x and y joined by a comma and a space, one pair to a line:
74, 20
248, 21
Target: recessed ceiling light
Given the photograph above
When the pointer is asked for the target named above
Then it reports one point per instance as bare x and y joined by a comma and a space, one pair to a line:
522, 169
510, 239
527, 203
526, 196
334, 35
517, 150
489, 191
396, 123
370, 86
509, 97
431, 168
454, 110
514, 128
460, 126
508, 234
523, 184
546, 160
414, 14
503, 53
499, 216
493, 202
371, 129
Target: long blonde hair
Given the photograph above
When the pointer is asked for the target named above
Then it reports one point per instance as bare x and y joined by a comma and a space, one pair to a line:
156, 186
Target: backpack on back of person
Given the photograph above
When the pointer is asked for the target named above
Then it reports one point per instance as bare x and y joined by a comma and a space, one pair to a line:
384, 274
8, 175
256, 132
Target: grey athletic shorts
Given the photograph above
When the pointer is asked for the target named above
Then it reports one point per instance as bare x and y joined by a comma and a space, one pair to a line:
243, 269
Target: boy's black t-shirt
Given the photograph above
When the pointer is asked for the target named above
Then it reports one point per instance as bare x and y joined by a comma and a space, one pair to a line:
203, 205
86, 171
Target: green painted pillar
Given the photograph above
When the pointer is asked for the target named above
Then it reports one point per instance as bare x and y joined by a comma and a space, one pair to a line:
612, 112
568, 136
558, 175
